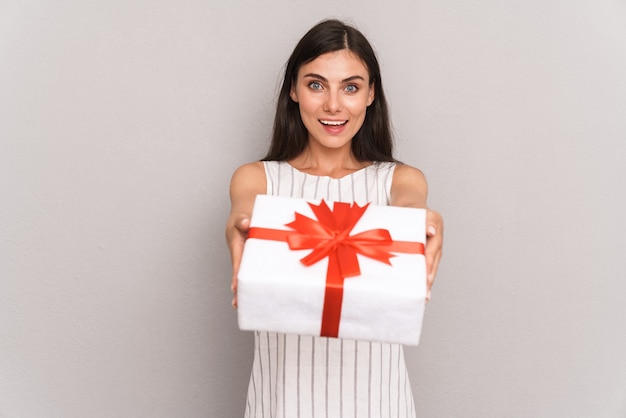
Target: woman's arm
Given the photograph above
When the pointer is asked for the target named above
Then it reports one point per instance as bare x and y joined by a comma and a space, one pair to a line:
409, 189
247, 182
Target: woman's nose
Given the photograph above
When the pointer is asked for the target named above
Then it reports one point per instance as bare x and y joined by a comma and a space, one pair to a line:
333, 102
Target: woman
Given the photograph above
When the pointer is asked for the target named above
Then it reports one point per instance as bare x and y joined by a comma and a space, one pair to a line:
331, 140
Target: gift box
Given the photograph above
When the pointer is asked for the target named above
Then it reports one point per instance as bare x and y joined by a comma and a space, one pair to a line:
329, 269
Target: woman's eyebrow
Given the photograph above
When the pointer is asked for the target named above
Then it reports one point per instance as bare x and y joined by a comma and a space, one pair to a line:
313, 75
354, 77
345, 80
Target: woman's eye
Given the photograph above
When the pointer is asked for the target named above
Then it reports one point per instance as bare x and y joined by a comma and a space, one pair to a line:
315, 85
351, 88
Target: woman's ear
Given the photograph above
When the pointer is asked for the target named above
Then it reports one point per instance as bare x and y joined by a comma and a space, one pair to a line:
293, 94
372, 95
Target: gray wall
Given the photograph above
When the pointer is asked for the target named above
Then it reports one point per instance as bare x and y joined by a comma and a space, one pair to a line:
121, 122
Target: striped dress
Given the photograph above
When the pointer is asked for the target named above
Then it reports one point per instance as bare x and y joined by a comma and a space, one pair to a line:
296, 376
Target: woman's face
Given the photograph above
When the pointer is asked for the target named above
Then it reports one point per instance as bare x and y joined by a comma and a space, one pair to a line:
333, 92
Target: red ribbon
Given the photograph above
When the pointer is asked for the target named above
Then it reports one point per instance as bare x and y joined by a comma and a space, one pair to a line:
328, 236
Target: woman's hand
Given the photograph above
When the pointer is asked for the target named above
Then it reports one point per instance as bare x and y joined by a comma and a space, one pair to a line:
247, 182
409, 189
236, 234
434, 246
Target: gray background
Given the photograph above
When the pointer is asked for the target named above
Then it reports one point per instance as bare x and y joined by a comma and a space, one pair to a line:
122, 121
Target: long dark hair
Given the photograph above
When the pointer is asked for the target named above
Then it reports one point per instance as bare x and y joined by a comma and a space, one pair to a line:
373, 142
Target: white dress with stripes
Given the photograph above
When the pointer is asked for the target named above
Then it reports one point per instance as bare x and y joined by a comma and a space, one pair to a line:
296, 376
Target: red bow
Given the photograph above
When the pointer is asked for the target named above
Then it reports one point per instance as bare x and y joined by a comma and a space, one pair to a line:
328, 236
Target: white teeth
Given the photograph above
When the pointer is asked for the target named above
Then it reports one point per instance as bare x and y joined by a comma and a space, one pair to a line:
333, 122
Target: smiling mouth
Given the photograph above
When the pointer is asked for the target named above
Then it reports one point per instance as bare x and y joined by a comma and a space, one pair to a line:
333, 122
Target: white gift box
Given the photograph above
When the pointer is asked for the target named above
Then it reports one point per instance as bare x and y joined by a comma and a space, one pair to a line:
276, 292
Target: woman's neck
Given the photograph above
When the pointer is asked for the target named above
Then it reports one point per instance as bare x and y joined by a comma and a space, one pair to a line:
335, 163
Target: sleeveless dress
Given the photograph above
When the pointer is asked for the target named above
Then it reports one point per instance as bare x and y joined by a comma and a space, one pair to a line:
295, 376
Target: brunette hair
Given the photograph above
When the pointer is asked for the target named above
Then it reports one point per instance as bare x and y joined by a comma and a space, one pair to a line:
373, 142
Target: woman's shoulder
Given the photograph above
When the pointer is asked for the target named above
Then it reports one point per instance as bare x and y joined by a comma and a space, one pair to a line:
249, 169
409, 186
405, 171
250, 176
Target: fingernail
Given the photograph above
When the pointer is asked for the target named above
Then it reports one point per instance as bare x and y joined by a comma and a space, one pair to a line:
428, 296
432, 230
